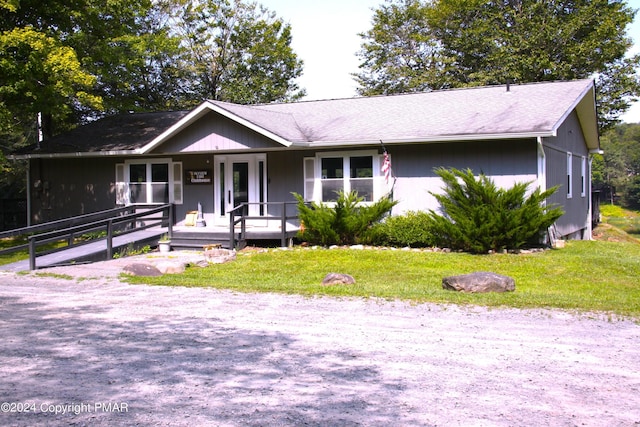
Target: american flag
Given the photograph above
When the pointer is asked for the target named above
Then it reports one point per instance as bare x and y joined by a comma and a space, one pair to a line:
386, 166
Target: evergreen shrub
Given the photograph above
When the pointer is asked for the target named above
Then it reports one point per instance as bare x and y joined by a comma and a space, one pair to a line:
346, 222
478, 217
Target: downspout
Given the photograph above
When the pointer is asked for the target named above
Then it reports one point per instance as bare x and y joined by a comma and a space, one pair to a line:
40, 138
542, 165
542, 185
28, 192
589, 195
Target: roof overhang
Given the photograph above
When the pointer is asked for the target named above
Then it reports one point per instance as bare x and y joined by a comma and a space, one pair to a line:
433, 139
198, 113
71, 155
585, 108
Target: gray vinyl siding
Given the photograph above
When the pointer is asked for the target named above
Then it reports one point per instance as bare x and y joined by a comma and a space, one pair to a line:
284, 176
70, 187
214, 133
569, 138
504, 161
195, 193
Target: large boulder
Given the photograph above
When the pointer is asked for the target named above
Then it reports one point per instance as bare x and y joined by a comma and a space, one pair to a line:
215, 255
338, 279
479, 281
141, 269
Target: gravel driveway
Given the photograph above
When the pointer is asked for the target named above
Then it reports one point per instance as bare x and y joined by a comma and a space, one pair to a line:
100, 352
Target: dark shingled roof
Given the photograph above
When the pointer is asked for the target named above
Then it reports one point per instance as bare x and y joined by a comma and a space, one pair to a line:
489, 110
122, 132
527, 110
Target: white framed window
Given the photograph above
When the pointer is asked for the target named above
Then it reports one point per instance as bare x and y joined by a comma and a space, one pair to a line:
569, 175
326, 174
583, 175
149, 181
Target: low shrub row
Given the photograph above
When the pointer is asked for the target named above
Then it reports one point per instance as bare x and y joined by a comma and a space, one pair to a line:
475, 216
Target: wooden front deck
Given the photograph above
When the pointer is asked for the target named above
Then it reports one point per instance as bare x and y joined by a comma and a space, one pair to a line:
188, 237
128, 228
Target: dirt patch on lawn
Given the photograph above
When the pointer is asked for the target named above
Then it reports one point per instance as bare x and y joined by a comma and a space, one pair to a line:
100, 352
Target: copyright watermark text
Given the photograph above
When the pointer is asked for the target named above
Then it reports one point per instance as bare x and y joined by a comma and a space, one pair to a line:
63, 408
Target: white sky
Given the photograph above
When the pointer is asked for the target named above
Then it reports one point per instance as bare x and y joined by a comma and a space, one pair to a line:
325, 37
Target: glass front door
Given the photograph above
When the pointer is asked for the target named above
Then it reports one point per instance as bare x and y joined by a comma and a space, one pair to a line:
241, 185
240, 179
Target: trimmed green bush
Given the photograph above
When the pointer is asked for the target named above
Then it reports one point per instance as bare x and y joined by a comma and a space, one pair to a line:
412, 229
478, 217
345, 223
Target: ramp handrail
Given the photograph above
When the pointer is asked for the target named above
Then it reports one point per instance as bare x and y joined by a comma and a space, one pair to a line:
61, 223
107, 225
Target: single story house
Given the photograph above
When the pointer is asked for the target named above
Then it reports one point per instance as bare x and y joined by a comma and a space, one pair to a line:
220, 154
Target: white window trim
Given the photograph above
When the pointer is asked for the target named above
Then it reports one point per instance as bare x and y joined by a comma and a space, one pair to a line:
173, 180
317, 187
569, 175
583, 174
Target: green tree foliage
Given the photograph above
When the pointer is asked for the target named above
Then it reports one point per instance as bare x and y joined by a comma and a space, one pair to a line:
73, 61
416, 45
144, 55
632, 193
42, 75
235, 51
620, 164
477, 217
347, 222
401, 53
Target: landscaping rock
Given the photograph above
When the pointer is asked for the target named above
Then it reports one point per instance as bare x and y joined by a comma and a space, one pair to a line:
171, 267
141, 269
479, 281
338, 279
219, 256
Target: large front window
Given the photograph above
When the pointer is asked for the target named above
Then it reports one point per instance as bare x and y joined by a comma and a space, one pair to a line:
346, 173
149, 182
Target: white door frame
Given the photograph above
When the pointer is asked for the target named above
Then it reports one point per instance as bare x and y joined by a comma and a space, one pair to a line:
223, 188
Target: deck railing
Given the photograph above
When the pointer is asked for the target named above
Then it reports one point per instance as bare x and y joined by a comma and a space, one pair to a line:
239, 215
112, 227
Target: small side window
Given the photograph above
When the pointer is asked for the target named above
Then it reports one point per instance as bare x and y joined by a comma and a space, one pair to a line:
569, 175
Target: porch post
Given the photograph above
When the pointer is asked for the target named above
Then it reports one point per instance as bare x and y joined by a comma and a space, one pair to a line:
283, 226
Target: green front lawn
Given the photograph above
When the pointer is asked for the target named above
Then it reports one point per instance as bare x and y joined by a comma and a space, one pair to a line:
588, 276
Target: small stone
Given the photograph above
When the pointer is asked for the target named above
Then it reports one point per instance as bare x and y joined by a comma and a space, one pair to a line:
338, 279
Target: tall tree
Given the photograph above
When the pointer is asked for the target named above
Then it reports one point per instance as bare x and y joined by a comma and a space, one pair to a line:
237, 52
115, 44
401, 52
619, 166
481, 42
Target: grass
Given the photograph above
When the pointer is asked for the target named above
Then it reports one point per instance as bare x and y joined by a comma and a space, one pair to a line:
23, 254
586, 276
622, 219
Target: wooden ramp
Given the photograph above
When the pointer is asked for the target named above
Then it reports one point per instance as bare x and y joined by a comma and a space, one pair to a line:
90, 252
